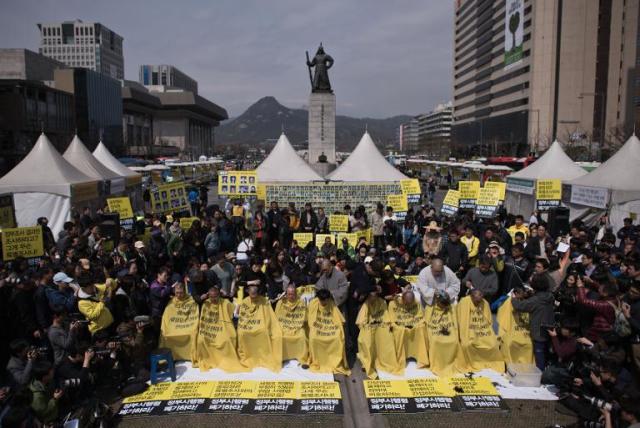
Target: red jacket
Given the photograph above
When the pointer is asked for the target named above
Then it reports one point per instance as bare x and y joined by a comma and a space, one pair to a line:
604, 317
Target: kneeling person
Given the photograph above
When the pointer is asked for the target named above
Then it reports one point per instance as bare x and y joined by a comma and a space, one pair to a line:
326, 335
292, 317
408, 324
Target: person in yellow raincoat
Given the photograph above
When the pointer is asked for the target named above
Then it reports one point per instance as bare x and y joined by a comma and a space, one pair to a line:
376, 348
479, 343
408, 324
326, 336
259, 334
179, 325
291, 313
217, 339
515, 340
445, 355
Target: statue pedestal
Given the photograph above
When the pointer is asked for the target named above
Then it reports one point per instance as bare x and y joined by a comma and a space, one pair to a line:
322, 131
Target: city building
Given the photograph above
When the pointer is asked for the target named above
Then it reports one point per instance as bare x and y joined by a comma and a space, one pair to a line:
434, 131
28, 106
98, 106
83, 44
153, 76
138, 109
408, 136
527, 72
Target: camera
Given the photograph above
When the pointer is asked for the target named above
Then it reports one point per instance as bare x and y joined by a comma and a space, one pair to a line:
600, 403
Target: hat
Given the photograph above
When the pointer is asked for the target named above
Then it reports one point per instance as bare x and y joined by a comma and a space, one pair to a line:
368, 259
388, 249
139, 244
62, 277
494, 244
433, 225
230, 256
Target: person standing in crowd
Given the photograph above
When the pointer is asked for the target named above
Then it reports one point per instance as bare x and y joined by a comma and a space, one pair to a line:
377, 226
472, 243
539, 245
333, 280
454, 253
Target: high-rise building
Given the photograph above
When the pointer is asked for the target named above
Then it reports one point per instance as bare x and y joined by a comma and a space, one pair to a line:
408, 134
434, 131
527, 72
83, 44
166, 75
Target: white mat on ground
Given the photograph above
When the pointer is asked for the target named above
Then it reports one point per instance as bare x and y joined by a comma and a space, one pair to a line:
504, 387
291, 371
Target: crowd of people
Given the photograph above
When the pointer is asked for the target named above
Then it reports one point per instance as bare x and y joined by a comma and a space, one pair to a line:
455, 294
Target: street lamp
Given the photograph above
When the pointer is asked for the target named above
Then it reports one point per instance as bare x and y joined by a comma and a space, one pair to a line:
602, 112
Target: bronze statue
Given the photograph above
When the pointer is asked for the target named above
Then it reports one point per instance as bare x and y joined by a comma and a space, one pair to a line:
321, 63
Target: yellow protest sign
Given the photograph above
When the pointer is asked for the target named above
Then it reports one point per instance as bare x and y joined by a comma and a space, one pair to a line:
469, 189
432, 387
157, 392
322, 237
472, 386
169, 197
186, 222
352, 238
411, 279
338, 222
7, 212
311, 390
261, 192
121, 206
366, 233
410, 186
452, 198
386, 388
303, 239
549, 190
502, 188
237, 183
488, 196
274, 389
192, 390
398, 202
22, 242
235, 389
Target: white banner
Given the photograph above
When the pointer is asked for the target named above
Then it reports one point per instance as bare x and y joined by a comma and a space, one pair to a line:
513, 32
520, 185
589, 196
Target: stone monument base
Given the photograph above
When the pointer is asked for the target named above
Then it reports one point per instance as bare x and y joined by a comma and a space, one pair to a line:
322, 127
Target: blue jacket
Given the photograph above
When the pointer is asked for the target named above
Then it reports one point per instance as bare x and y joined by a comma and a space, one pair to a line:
64, 299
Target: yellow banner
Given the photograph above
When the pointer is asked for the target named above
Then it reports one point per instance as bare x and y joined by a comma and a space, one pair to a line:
237, 183
488, 196
22, 242
352, 238
473, 386
366, 233
261, 192
121, 206
246, 389
549, 190
469, 189
321, 237
338, 222
411, 279
433, 387
275, 389
303, 238
186, 222
169, 197
502, 188
311, 390
386, 388
410, 186
191, 390
452, 198
398, 203
158, 392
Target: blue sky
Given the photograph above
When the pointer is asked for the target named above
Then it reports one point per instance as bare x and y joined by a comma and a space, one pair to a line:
391, 57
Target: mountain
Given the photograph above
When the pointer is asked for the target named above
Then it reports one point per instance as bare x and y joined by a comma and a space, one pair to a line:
265, 120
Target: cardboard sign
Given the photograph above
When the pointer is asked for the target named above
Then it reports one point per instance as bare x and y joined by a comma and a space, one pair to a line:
237, 183
338, 222
261, 192
169, 197
469, 191
303, 239
398, 203
502, 188
22, 242
321, 237
548, 194
487, 202
121, 206
450, 203
411, 189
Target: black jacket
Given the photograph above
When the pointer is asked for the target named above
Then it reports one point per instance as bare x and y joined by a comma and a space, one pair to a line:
540, 308
308, 226
454, 255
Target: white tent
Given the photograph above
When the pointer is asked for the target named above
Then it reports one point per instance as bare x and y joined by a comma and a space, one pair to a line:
284, 164
78, 155
615, 183
521, 185
107, 159
43, 185
366, 163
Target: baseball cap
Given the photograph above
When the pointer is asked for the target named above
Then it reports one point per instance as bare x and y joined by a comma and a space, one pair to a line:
62, 277
368, 259
139, 244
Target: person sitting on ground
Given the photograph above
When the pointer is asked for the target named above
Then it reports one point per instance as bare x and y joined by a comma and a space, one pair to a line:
437, 277
291, 313
408, 328
326, 335
180, 324
445, 355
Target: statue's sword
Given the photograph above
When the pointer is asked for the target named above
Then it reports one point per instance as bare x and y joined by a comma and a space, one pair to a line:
309, 68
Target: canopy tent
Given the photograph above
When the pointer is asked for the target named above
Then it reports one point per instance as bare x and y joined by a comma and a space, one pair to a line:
615, 183
107, 159
44, 184
284, 164
366, 163
81, 158
521, 185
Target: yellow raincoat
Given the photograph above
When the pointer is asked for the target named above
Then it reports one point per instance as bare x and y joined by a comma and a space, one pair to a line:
479, 343
326, 339
179, 328
445, 355
515, 338
376, 348
259, 335
292, 317
409, 332
217, 339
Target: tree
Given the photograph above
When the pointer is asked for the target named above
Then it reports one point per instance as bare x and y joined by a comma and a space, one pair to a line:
514, 22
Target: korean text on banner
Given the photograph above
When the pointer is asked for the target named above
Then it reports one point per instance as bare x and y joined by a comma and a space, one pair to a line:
452, 198
338, 222
237, 183
549, 190
22, 242
469, 189
186, 222
121, 206
398, 202
303, 239
410, 186
502, 187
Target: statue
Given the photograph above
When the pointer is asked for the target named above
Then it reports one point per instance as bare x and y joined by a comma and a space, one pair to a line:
321, 63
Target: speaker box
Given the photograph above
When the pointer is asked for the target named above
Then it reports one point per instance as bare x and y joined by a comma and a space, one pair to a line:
558, 221
110, 227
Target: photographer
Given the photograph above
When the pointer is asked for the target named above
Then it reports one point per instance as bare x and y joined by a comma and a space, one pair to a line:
92, 303
44, 404
21, 361
74, 374
62, 337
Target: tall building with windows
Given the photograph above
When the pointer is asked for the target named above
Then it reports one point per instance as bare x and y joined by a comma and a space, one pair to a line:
527, 72
166, 75
85, 45
434, 131
408, 136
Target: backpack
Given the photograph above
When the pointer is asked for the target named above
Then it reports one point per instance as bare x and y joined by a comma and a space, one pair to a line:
621, 325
